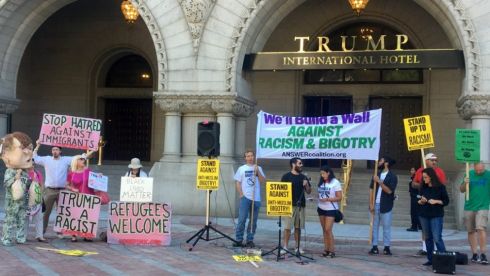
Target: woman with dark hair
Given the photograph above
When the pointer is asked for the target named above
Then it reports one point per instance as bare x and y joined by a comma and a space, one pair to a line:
135, 169
432, 201
329, 196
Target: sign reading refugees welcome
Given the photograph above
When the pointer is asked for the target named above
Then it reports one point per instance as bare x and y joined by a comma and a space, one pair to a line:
418, 132
347, 136
142, 223
207, 174
70, 132
279, 199
77, 214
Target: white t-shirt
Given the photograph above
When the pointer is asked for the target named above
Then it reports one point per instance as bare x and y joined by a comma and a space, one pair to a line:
327, 190
244, 175
56, 169
378, 195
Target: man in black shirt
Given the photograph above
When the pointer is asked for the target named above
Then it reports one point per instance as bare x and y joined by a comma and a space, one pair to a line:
300, 185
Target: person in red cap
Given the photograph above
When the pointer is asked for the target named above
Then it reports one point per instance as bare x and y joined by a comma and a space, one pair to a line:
431, 161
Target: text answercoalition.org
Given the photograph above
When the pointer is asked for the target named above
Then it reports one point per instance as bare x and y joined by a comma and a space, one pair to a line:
305, 154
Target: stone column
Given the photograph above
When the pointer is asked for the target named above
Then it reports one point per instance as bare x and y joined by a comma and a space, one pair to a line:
172, 150
7, 106
227, 135
477, 108
240, 132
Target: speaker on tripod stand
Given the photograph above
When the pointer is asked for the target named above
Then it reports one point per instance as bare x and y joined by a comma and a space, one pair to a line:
208, 139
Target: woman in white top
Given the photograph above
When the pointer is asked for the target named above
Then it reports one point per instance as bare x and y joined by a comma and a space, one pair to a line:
135, 169
329, 196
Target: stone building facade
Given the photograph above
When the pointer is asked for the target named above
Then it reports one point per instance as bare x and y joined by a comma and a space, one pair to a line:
55, 56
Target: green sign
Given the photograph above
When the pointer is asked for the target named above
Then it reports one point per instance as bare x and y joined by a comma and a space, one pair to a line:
467, 145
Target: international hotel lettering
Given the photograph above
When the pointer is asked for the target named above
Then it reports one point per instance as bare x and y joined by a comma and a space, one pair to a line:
371, 53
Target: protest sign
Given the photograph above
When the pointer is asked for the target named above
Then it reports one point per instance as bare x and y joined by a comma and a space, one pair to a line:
279, 199
348, 136
247, 258
467, 145
136, 189
207, 174
418, 132
143, 223
97, 181
70, 132
77, 214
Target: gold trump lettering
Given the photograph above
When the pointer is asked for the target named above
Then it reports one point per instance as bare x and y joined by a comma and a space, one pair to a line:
371, 43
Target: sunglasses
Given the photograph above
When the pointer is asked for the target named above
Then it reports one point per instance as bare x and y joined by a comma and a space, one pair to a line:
81, 159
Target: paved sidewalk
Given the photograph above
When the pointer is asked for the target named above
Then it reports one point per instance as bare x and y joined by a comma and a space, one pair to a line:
215, 257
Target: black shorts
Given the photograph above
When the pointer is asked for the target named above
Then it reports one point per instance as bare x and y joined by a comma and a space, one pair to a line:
329, 213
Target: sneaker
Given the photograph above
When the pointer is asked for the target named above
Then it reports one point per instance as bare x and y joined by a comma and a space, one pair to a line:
427, 264
386, 251
475, 258
421, 253
301, 251
374, 251
282, 251
238, 244
250, 244
412, 229
483, 259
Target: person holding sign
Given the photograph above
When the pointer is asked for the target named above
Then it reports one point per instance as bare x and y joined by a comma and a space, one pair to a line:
77, 180
432, 201
329, 196
386, 182
300, 185
135, 169
248, 178
476, 210
56, 169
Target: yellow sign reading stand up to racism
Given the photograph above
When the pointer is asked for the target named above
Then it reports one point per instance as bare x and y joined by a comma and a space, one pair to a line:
207, 174
418, 132
279, 199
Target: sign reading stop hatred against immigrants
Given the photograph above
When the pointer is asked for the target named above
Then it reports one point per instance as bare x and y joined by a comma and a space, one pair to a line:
77, 214
347, 136
142, 223
279, 199
70, 132
418, 132
207, 174
136, 189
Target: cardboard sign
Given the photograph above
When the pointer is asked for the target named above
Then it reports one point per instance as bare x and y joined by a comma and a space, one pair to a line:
279, 199
140, 223
97, 181
247, 258
418, 132
136, 189
70, 132
207, 174
467, 145
77, 214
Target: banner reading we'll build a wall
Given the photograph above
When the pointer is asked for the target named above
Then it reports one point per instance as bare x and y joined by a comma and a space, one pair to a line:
348, 136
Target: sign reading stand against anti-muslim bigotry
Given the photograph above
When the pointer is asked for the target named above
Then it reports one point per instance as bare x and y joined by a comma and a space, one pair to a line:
348, 136
70, 132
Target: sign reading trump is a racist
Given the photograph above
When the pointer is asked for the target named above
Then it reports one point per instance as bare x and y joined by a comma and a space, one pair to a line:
70, 132
77, 214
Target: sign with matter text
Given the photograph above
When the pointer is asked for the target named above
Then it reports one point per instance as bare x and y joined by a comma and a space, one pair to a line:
279, 199
139, 223
418, 132
348, 136
70, 132
467, 145
136, 189
77, 214
207, 174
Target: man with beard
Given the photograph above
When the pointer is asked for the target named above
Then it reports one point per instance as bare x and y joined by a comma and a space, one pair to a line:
381, 207
300, 185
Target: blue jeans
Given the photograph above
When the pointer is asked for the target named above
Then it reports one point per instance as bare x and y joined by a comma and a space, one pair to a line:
243, 213
432, 228
386, 220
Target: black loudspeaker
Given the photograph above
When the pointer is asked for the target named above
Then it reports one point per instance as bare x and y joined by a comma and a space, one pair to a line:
444, 262
208, 139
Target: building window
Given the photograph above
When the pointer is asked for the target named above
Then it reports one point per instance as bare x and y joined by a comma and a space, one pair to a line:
130, 71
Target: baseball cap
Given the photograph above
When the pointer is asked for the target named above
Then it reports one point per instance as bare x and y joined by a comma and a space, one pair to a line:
430, 156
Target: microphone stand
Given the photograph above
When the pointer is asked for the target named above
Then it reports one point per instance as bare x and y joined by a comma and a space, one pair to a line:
298, 207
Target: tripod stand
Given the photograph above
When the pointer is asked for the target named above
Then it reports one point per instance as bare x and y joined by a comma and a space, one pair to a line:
278, 247
205, 230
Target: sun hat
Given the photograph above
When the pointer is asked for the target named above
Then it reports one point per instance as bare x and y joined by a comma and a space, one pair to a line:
135, 164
